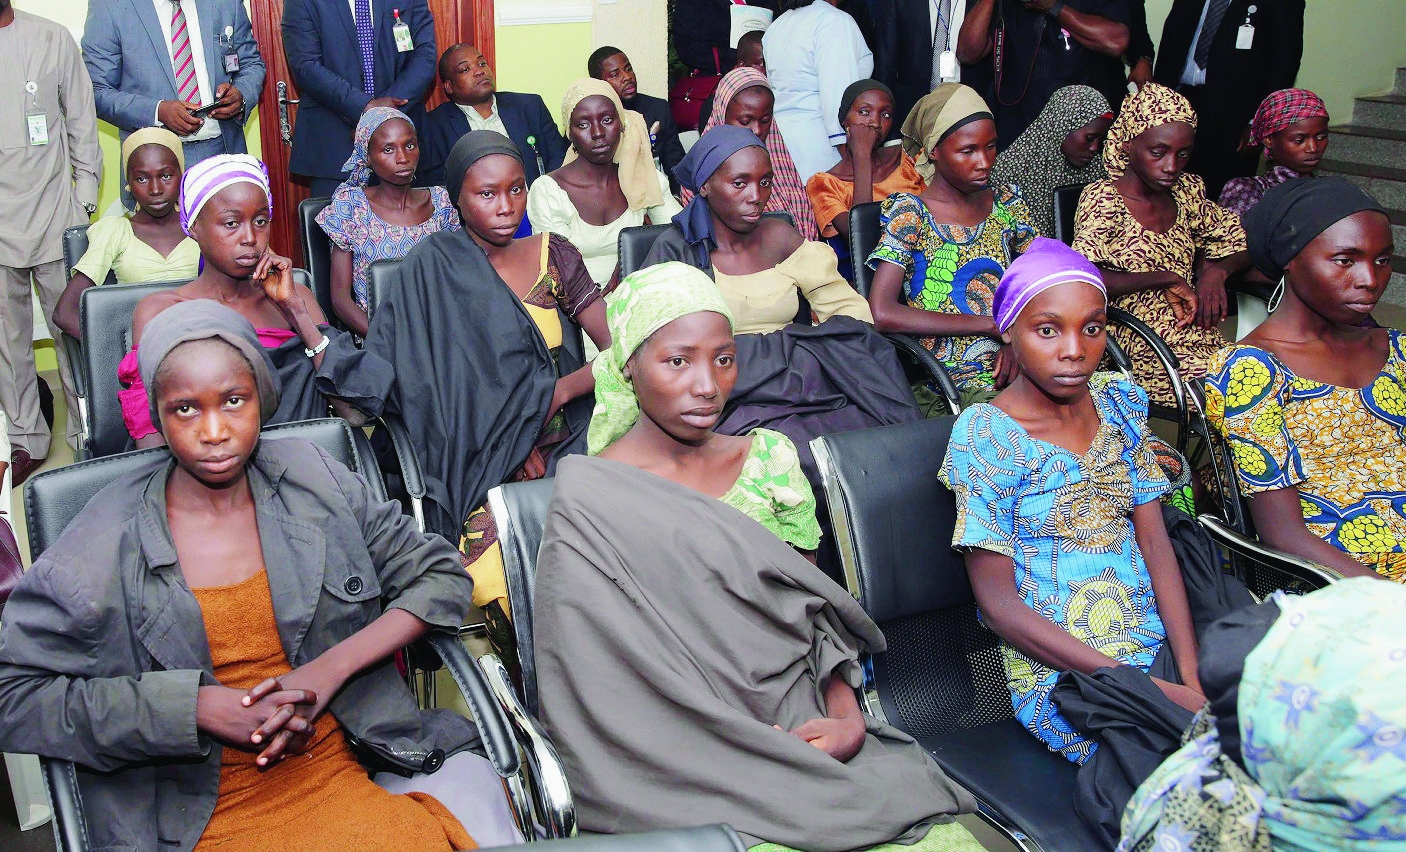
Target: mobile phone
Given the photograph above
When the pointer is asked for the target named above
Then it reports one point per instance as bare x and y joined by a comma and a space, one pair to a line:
201, 112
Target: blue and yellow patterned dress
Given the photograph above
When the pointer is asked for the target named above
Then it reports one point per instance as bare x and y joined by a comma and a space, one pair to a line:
1065, 520
953, 269
1344, 449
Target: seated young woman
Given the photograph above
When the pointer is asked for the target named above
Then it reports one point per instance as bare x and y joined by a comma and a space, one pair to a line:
1164, 248
1059, 148
608, 183
1298, 749
499, 392
760, 264
147, 246
226, 207
1313, 401
744, 99
868, 169
941, 253
382, 222
1292, 127
671, 557
232, 604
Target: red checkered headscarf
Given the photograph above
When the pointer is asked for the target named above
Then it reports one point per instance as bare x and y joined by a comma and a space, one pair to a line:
1283, 108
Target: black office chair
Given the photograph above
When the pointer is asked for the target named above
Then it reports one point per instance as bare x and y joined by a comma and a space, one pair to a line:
75, 245
918, 361
54, 497
709, 838
1066, 204
317, 256
941, 679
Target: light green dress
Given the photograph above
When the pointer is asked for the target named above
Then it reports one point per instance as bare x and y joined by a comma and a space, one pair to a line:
773, 491
113, 246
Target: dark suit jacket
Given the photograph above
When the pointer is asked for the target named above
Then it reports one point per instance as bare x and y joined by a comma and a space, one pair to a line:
701, 25
1236, 80
319, 39
903, 52
523, 115
129, 62
667, 146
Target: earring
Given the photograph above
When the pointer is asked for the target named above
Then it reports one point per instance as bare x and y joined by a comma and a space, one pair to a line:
1278, 295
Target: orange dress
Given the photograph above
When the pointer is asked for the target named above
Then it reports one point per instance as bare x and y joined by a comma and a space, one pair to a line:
833, 197
323, 799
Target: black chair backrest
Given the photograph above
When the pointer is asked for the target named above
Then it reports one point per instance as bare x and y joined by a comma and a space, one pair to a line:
1066, 204
634, 245
710, 838
75, 245
317, 255
53, 498
863, 237
105, 316
380, 277
893, 524
519, 510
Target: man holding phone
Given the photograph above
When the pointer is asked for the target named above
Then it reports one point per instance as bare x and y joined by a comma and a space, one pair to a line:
200, 84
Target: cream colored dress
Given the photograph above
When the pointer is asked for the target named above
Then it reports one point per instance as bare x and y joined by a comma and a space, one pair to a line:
766, 301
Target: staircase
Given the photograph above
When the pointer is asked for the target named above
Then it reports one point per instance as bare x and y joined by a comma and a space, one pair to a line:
1371, 151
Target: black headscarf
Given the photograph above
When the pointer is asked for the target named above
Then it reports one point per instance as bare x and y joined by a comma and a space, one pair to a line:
1289, 216
857, 88
705, 157
472, 147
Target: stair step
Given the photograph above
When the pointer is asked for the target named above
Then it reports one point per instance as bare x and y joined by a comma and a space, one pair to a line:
1387, 185
1398, 234
1368, 145
1380, 111
1400, 85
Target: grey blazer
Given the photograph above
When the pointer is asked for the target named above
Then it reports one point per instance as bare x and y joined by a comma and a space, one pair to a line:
103, 647
129, 61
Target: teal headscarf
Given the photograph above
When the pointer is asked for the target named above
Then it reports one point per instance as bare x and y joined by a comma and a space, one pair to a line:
1322, 721
645, 302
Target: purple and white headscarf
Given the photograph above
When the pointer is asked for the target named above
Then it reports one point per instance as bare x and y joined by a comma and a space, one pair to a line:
207, 177
1045, 264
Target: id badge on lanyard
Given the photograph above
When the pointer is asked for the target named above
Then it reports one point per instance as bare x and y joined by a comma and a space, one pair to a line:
403, 42
35, 117
1245, 35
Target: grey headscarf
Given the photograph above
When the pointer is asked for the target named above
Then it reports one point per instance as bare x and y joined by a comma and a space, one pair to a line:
203, 319
472, 147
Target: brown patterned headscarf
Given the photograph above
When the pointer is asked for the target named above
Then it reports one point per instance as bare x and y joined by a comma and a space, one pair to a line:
1152, 106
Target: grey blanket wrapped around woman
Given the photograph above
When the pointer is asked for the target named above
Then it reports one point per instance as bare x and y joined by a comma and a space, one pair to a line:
673, 632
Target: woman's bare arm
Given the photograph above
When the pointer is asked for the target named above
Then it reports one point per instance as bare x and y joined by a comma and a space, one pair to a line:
1279, 521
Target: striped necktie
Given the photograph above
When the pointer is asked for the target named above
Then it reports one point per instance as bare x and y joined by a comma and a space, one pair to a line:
182, 60
1215, 12
943, 8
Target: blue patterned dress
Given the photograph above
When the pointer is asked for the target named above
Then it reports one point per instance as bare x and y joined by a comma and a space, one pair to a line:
953, 269
353, 226
1065, 520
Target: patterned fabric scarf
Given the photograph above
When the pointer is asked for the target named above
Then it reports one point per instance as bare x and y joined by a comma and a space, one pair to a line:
1153, 106
1321, 712
1034, 163
788, 194
359, 163
645, 302
205, 179
639, 179
1283, 108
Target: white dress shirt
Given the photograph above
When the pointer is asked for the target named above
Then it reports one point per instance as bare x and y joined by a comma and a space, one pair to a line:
1191, 73
210, 128
493, 122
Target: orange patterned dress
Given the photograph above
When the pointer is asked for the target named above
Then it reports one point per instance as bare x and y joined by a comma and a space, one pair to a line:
321, 800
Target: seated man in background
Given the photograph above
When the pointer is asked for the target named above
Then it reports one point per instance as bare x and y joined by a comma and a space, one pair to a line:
613, 66
476, 104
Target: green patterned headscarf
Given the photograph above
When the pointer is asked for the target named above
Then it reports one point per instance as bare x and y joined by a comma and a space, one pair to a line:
1322, 719
645, 302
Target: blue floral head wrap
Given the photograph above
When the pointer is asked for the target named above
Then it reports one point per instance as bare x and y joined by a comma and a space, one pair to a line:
358, 165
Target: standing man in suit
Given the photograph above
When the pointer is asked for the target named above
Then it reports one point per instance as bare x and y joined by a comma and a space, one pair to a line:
912, 36
348, 56
476, 104
613, 66
154, 62
1225, 56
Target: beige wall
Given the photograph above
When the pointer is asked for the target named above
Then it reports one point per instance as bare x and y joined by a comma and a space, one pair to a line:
1351, 48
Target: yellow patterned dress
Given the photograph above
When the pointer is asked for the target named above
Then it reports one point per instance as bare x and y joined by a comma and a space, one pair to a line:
1107, 233
1065, 521
1344, 449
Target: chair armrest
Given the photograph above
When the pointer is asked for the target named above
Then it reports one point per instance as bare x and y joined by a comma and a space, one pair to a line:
409, 463
1242, 286
1313, 573
557, 813
74, 350
70, 826
930, 365
1159, 346
492, 720
711, 838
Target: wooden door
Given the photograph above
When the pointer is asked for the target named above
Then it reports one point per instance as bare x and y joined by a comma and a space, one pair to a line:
456, 21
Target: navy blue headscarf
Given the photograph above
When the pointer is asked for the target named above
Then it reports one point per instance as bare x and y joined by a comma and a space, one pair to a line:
705, 157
